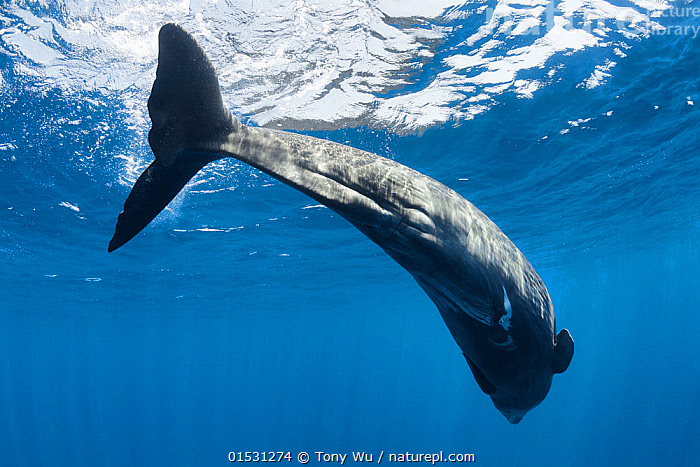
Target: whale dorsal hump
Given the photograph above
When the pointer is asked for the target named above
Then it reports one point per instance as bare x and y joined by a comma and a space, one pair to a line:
563, 351
481, 380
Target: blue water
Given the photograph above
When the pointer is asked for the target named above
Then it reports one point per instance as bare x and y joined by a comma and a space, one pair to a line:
246, 319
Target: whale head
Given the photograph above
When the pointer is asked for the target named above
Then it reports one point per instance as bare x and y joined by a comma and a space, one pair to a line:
512, 351
518, 379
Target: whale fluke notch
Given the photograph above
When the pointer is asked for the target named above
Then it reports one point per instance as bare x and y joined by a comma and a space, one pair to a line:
563, 351
186, 109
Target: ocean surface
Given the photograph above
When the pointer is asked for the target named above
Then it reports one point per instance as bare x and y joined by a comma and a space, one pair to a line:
247, 317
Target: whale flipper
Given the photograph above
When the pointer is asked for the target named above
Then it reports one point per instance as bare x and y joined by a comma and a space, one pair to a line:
186, 108
563, 351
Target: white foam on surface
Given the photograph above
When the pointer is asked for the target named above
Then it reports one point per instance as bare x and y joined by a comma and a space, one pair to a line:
70, 206
315, 64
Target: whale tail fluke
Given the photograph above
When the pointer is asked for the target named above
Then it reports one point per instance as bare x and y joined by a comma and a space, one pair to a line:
152, 192
186, 109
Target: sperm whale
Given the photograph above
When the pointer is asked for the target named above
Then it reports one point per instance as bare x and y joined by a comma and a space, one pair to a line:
493, 302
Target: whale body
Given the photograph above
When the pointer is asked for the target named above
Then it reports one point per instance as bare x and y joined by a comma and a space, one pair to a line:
493, 302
